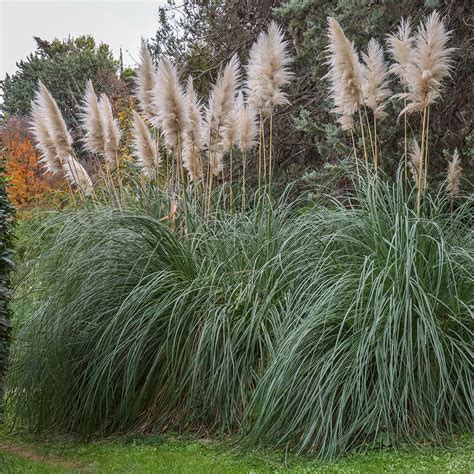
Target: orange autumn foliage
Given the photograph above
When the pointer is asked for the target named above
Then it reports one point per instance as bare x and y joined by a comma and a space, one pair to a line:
27, 182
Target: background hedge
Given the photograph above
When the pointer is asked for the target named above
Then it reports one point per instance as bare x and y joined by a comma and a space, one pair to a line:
6, 218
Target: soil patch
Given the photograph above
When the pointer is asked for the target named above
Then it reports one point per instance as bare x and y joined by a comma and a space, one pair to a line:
26, 453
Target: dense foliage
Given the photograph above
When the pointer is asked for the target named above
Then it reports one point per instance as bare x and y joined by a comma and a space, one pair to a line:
28, 185
64, 66
6, 218
321, 329
203, 34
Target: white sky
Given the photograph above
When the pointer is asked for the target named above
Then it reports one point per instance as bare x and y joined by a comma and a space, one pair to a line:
119, 23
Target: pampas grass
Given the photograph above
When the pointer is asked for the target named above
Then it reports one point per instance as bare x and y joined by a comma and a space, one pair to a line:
54, 141
423, 62
247, 133
194, 139
46, 110
101, 131
415, 163
267, 72
375, 86
230, 131
44, 141
145, 148
431, 63
112, 132
346, 80
317, 329
402, 49
168, 100
454, 175
345, 72
219, 117
247, 125
314, 328
77, 176
145, 84
220, 110
381, 351
92, 122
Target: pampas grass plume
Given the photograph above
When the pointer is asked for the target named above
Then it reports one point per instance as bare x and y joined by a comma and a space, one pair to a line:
230, 131
194, 138
454, 175
94, 138
43, 139
168, 100
268, 70
401, 48
375, 85
345, 73
77, 175
220, 113
221, 100
49, 127
145, 83
432, 64
111, 131
247, 124
144, 147
416, 159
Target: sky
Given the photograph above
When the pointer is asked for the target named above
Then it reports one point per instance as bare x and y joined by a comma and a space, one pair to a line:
119, 23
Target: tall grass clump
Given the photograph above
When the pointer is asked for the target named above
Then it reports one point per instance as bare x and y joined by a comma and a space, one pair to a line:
135, 327
177, 300
380, 351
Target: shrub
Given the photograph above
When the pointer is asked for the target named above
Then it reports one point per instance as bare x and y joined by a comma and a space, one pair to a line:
6, 217
380, 351
321, 329
135, 326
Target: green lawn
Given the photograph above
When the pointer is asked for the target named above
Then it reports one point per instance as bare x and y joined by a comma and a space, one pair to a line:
170, 455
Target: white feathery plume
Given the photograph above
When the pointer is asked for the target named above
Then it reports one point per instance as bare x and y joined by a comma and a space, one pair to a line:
192, 161
432, 63
195, 129
44, 141
267, 70
220, 110
230, 130
346, 122
454, 175
168, 100
193, 139
144, 148
345, 74
415, 162
375, 85
402, 49
53, 120
77, 175
247, 124
111, 131
216, 162
94, 138
145, 83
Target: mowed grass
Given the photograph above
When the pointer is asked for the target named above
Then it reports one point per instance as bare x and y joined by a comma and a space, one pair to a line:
152, 454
